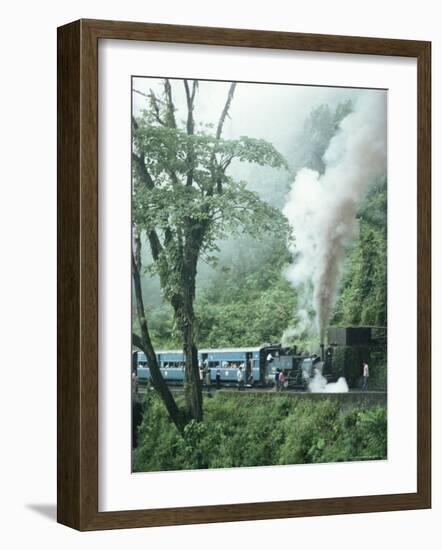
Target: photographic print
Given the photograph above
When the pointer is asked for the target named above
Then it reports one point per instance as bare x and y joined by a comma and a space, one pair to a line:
222, 274
259, 274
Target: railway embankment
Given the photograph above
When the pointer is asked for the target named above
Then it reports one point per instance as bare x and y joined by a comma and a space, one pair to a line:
347, 399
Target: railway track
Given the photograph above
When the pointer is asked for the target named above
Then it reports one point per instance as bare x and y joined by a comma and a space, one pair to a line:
256, 390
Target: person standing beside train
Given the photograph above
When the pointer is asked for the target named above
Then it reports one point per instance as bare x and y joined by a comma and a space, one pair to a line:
281, 380
208, 379
365, 376
277, 380
201, 369
240, 378
244, 377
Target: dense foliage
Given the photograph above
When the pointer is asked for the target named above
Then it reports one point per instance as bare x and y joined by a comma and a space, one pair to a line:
243, 300
363, 296
259, 430
249, 302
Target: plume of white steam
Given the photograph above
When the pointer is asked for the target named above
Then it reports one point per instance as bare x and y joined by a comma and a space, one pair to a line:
318, 384
322, 208
304, 326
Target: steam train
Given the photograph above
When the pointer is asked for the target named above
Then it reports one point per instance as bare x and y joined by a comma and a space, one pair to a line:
260, 365
347, 349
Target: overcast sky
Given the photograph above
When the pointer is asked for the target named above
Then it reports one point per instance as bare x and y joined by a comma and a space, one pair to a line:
271, 111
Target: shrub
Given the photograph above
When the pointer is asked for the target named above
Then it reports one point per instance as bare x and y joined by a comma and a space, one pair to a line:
260, 430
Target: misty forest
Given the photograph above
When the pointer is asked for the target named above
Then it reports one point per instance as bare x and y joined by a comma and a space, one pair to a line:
259, 215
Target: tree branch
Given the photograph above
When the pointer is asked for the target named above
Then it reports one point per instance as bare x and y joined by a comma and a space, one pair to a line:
154, 103
137, 246
171, 122
156, 109
140, 92
155, 244
225, 111
142, 170
190, 97
154, 241
190, 126
216, 168
136, 341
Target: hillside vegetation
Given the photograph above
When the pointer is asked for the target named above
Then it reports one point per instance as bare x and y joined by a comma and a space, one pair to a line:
250, 430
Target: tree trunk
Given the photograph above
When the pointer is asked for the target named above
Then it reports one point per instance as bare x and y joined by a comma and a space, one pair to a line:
192, 382
144, 342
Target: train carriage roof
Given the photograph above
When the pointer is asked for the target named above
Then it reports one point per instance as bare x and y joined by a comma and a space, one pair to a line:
209, 350
228, 350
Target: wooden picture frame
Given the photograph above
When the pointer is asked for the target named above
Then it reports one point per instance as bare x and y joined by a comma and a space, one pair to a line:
77, 457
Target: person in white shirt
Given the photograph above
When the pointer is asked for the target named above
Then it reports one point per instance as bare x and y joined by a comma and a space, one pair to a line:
365, 376
240, 378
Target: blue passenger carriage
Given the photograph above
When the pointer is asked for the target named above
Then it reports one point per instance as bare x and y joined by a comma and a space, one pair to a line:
224, 362
227, 361
171, 363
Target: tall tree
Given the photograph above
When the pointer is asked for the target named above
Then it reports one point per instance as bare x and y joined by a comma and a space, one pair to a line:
185, 200
319, 129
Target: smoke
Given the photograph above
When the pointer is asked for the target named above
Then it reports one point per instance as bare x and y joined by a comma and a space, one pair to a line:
318, 384
304, 326
322, 208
